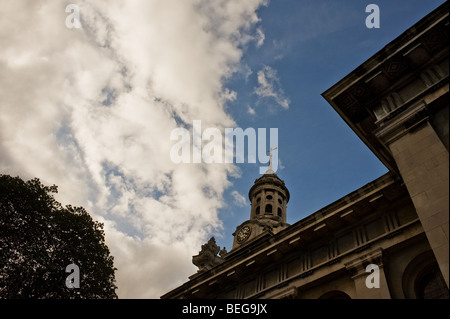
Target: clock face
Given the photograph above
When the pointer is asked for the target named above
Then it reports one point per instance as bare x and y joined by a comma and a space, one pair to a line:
243, 234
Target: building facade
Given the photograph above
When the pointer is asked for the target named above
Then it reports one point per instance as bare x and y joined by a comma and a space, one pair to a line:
388, 239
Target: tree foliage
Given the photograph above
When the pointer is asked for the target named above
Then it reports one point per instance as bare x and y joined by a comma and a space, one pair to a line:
39, 238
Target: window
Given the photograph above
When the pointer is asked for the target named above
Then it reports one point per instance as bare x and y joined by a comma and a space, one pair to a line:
279, 212
257, 210
431, 285
268, 209
422, 278
280, 201
269, 197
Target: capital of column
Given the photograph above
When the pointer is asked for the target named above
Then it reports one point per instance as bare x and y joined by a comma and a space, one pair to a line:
402, 123
357, 267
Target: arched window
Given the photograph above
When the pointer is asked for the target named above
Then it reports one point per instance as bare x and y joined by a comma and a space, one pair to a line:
279, 212
268, 209
269, 197
257, 210
422, 278
280, 201
431, 284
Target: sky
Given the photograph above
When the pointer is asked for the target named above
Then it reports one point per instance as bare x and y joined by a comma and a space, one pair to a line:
92, 109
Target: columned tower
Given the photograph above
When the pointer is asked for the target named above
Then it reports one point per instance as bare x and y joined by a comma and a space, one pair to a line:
268, 197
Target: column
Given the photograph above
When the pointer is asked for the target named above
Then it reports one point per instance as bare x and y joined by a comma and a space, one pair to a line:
423, 162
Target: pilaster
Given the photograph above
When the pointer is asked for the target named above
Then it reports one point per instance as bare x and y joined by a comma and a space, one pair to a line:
357, 269
423, 162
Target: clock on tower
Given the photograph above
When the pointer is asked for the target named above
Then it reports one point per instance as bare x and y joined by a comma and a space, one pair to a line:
268, 197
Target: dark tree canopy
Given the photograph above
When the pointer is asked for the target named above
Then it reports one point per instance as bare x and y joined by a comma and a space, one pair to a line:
39, 238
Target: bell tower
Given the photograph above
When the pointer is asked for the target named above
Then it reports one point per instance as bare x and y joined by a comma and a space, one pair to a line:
268, 197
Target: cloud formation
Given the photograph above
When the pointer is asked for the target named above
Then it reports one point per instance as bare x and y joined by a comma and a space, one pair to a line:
269, 87
91, 110
239, 199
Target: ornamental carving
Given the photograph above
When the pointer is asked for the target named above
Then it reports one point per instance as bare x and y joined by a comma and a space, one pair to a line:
207, 257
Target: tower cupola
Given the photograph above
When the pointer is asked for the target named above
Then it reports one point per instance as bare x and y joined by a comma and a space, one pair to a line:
268, 197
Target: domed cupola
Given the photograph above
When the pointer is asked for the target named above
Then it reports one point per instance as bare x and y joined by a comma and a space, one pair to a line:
268, 197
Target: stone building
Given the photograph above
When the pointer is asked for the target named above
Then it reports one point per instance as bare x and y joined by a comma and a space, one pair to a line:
387, 239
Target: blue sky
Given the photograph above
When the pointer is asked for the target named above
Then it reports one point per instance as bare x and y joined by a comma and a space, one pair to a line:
92, 109
312, 45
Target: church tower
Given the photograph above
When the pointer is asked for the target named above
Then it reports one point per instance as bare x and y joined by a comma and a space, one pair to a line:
268, 197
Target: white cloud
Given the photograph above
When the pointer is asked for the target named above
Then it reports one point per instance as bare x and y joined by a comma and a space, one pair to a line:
269, 87
239, 199
91, 110
260, 37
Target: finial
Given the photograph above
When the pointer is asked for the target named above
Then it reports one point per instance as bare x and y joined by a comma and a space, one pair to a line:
269, 169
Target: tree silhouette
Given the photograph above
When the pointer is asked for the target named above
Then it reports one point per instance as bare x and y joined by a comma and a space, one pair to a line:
39, 238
